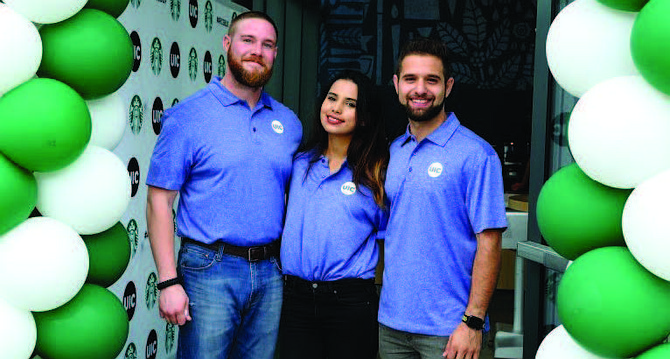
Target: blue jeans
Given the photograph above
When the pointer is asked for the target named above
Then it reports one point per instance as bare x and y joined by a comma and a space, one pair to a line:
234, 305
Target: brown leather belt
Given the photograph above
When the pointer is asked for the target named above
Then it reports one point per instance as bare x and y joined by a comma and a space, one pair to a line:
252, 254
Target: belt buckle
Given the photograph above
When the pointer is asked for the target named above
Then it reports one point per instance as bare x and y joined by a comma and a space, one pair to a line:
254, 252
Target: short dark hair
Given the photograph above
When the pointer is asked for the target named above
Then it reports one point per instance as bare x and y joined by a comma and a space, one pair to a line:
426, 46
251, 15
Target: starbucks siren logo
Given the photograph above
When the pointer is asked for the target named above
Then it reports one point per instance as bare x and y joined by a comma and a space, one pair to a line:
135, 3
156, 56
157, 115
193, 12
131, 351
170, 334
207, 66
134, 174
133, 236
192, 64
175, 9
152, 345
151, 292
209, 19
130, 299
137, 50
175, 60
136, 114
221, 69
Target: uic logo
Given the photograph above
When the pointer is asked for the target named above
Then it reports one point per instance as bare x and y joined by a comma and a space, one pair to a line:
136, 114
137, 50
156, 56
435, 169
207, 66
193, 12
134, 174
175, 59
192, 64
175, 9
209, 18
152, 345
151, 292
157, 115
130, 299
348, 188
133, 236
277, 126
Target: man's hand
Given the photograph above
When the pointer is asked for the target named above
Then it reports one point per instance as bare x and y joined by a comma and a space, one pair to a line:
174, 305
464, 343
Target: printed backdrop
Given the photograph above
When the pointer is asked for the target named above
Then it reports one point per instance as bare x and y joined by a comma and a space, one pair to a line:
178, 49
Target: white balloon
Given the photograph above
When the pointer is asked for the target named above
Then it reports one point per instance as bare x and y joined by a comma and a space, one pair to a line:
44, 264
46, 11
619, 130
108, 117
644, 217
18, 333
558, 344
91, 194
587, 43
21, 49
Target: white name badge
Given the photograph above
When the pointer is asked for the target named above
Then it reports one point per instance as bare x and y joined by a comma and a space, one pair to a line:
277, 126
348, 188
435, 169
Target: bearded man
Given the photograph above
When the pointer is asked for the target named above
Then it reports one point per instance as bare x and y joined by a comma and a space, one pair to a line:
227, 151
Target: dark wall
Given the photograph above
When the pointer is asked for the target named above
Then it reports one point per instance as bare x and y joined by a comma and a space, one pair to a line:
492, 45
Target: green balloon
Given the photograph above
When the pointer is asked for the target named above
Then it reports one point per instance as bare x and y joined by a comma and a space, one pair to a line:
44, 125
650, 44
94, 324
658, 352
576, 214
625, 5
613, 306
108, 255
18, 194
91, 51
113, 7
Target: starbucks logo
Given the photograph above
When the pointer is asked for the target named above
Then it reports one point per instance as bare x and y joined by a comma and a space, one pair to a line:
130, 300
136, 114
131, 351
208, 17
175, 9
193, 12
174, 220
156, 56
221, 68
133, 236
170, 335
152, 345
174, 59
134, 174
192, 64
135, 3
137, 50
207, 67
157, 115
151, 292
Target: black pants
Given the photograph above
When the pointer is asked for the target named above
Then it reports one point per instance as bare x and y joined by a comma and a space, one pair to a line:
333, 320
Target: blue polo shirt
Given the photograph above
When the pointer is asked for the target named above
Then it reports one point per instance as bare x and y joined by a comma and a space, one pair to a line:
332, 226
442, 191
230, 163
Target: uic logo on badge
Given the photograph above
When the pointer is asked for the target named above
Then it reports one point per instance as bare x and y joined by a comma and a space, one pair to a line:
277, 126
348, 188
435, 169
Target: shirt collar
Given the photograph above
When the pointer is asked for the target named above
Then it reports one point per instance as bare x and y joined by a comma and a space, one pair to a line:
227, 98
440, 135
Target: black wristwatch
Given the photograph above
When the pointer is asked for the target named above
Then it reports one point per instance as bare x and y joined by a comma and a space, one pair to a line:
473, 322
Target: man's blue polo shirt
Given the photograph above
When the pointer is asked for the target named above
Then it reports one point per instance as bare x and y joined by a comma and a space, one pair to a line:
442, 191
231, 165
331, 226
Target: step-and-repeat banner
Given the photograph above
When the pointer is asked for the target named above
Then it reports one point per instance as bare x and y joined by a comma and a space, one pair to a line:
177, 50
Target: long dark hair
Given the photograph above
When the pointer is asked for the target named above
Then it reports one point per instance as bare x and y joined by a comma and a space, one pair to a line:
368, 153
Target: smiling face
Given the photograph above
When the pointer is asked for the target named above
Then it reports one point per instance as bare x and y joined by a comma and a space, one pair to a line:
421, 87
251, 49
338, 110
